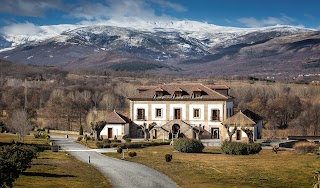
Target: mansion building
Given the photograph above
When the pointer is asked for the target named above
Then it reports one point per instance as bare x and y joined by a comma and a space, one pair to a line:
178, 110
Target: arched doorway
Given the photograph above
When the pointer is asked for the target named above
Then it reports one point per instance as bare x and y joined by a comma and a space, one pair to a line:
175, 130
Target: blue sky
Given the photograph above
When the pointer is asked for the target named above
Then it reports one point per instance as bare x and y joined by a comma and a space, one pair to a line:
237, 13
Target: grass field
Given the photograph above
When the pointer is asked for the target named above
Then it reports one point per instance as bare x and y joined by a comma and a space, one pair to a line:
57, 169
213, 169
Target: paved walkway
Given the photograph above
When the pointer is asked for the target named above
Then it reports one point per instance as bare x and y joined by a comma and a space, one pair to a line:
123, 174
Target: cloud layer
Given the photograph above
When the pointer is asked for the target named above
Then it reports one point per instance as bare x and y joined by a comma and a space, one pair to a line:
253, 22
33, 8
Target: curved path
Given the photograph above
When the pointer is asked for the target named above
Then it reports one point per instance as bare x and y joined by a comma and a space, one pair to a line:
121, 173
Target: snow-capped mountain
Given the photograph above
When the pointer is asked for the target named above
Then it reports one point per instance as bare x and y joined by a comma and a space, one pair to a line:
174, 45
212, 34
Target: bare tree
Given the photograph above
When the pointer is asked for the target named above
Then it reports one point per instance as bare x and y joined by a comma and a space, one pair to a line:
230, 133
198, 130
20, 122
249, 133
146, 129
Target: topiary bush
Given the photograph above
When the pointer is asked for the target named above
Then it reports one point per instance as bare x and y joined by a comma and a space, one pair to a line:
186, 145
79, 138
168, 157
119, 150
239, 148
132, 153
305, 147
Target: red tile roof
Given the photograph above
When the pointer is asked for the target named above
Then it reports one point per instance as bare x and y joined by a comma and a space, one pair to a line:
207, 93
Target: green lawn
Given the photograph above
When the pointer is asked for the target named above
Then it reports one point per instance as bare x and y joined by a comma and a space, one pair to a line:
57, 169
213, 169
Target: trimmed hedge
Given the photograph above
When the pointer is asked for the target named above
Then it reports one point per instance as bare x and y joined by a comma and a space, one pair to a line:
305, 147
106, 144
186, 145
239, 148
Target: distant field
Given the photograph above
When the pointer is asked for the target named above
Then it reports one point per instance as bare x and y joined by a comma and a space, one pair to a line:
57, 169
213, 169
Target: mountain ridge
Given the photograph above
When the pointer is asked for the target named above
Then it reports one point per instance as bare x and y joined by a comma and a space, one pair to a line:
180, 47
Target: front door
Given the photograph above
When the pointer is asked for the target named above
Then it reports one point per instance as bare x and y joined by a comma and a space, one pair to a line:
177, 113
239, 134
110, 133
215, 133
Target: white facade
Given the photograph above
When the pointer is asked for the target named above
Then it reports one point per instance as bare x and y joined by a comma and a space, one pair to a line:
118, 130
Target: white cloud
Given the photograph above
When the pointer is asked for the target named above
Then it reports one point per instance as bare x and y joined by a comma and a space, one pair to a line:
21, 29
269, 21
120, 9
34, 8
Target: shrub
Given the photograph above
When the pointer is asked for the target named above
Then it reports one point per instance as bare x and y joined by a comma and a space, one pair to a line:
305, 147
115, 137
106, 145
41, 134
14, 160
119, 150
275, 149
115, 141
127, 139
132, 153
239, 148
99, 144
168, 157
114, 145
186, 145
79, 138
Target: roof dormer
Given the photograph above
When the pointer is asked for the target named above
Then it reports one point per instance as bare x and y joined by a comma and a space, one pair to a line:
158, 93
178, 93
196, 93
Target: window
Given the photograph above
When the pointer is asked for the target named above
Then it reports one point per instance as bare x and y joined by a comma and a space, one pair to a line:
196, 94
158, 112
177, 94
140, 114
158, 94
215, 115
196, 113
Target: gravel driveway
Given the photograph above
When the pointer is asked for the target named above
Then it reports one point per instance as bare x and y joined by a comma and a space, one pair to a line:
122, 173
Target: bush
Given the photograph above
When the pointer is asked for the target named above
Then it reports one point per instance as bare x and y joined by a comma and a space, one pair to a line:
275, 149
119, 150
79, 138
132, 153
114, 145
168, 157
14, 160
305, 147
239, 148
106, 145
115, 141
186, 145
99, 144
127, 139
41, 134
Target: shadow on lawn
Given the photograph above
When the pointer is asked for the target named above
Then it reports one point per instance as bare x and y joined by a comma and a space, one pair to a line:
43, 174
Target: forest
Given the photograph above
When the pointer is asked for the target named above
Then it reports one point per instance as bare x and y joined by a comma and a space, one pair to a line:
61, 99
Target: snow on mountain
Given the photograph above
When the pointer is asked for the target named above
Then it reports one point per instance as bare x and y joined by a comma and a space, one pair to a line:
211, 35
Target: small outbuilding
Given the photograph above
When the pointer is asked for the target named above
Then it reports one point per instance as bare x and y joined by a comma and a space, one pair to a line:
247, 123
116, 125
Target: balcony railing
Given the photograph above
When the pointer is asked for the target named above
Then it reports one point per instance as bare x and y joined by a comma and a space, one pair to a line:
141, 117
215, 118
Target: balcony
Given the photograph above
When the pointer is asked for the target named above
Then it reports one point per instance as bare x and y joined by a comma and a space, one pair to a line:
141, 118
215, 118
